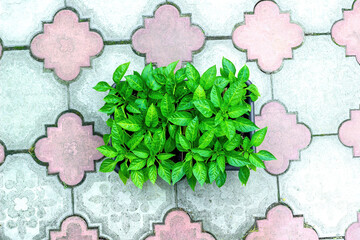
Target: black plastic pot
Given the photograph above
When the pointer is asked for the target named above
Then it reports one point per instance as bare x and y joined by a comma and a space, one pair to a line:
180, 156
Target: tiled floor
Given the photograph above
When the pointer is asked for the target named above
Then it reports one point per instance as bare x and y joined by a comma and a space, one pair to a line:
303, 55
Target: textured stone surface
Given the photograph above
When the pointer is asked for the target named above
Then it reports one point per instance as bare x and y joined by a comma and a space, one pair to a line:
349, 132
74, 228
315, 16
284, 138
115, 19
30, 201
324, 186
168, 37
69, 149
280, 224
228, 212
29, 98
213, 53
26, 17
178, 226
216, 19
125, 212
346, 31
66, 45
88, 101
268, 36
353, 232
320, 84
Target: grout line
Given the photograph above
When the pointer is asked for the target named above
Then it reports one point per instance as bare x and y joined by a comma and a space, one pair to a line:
317, 34
278, 188
17, 151
176, 196
272, 86
325, 134
121, 42
15, 48
218, 37
72, 201
68, 95
332, 238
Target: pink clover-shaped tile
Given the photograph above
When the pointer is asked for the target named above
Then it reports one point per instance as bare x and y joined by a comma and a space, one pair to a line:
268, 36
353, 232
74, 228
69, 149
280, 224
346, 32
168, 37
2, 153
349, 132
178, 226
66, 45
284, 138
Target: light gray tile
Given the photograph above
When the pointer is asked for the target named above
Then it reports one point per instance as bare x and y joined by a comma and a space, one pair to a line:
320, 83
31, 202
228, 213
29, 98
324, 186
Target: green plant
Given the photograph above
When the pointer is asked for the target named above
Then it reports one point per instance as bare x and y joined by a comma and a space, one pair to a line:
158, 112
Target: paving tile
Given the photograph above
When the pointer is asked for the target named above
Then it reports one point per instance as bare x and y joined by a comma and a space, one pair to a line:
349, 132
345, 32
216, 19
69, 148
315, 16
116, 20
228, 212
168, 37
88, 101
353, 232
26, 17
285, 137
280, 224
213, 53
268, 36
324, 186
29, 98
31, 202
66, 45
125, 212
178, 225
320, 84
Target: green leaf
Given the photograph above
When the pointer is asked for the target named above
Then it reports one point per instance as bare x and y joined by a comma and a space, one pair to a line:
237, 111
233, 143
106, 138
200, 172
135, 82
117, 135
132, 107
119, 114
236, 159
191, 73
180, 75
130, 124
192, 182
204, 107
265, 155
108, 151
258, 137
234, 94
151, 119
206, 138
181, 118
246, 143
152, 174
192, 129
191, 85
218, 118
112, 99
243, 74
256, 161
221, 82
244, 125
244, 174
199, 94
208, 78
124, 173
151, 82
203, 152
172, 130
108, 108
214, 171
220, 160
220, 181
184, 142
108, 165
160, 78
138, 178
228, 66
102, 87
171, 67
168, 164
170, 86
156, 95
252, 88
120, 72
135, 140
166, 106
228, 127
215, 96
169, 145
186, 103
137, 164
158, 141
177, 172
141, 153
164, 173
165, 156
